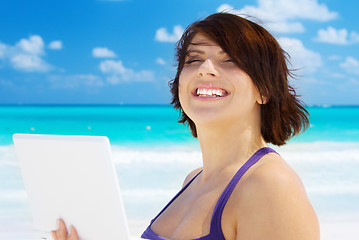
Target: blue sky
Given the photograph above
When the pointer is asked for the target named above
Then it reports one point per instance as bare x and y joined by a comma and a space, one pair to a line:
122, 52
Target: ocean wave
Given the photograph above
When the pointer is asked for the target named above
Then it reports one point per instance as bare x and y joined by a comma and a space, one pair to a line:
325, 167
156, 155
334, 189
293, 152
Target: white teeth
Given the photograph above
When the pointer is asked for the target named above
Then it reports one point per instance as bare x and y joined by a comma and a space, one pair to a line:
210, 92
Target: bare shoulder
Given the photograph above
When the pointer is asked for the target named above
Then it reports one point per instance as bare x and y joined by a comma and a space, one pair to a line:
272, 203
273, 173
191, 175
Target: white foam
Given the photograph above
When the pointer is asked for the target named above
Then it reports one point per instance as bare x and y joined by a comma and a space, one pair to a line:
308, 152
321, 152
7, 155
157, 155
339, 229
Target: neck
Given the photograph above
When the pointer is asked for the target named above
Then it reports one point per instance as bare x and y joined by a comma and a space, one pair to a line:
228, 145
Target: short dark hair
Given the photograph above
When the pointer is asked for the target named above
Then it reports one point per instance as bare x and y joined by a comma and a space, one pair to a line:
256, 52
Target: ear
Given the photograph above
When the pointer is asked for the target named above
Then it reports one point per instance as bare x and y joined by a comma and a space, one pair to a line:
262, 99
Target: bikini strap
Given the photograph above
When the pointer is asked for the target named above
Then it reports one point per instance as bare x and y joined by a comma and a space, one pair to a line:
218, 210
174, 198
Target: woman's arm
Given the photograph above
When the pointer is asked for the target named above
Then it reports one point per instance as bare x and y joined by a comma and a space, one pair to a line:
61, 232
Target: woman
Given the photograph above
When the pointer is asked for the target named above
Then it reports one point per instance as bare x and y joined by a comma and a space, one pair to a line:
232, 90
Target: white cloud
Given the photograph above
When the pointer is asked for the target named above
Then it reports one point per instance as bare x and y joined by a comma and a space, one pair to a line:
73, 81
280, 15
163, 36
350, 65
301, 57
55, 45
112, 67
286, 27
29, 63
103, 52
354, 37
117, 73
354, 81
337, 36
34, 45
160, 61
334, 58
26, 55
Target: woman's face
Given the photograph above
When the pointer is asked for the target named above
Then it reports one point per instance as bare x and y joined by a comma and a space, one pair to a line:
211, 86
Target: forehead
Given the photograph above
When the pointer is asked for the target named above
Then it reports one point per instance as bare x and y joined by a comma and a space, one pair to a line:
202, 40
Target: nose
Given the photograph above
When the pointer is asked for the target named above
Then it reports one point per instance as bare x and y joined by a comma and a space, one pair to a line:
207, 69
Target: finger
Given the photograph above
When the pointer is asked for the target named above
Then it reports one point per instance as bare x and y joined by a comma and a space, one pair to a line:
62, 232
54, 235
73, 234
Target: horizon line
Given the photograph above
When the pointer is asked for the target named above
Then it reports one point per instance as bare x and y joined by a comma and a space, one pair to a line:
139, 104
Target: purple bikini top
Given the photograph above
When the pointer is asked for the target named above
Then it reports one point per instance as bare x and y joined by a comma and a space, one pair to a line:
216, 228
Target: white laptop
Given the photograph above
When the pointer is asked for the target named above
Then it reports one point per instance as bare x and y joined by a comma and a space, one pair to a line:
73, 178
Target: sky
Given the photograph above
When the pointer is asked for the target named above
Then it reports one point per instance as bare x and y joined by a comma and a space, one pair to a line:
122, 51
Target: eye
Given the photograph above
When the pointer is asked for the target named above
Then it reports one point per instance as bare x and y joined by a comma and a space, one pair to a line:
228, 60
192, 60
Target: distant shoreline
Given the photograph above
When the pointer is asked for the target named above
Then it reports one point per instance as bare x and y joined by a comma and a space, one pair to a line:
139, 105
84, 105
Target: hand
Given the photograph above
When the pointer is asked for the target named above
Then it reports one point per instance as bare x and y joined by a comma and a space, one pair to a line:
61, 232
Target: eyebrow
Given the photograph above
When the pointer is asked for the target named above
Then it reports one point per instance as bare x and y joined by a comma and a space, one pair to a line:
203, 43
202, 52
194, 51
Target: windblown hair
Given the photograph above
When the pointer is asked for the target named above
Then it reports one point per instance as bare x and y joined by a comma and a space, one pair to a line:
256, 52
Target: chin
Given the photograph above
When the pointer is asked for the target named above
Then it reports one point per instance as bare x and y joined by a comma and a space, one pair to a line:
208, 115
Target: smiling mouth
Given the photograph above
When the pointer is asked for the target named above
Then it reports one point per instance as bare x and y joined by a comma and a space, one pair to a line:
213, 93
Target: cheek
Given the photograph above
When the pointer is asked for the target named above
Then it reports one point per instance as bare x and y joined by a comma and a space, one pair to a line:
184, 94
181, 91
182, 85
247, 92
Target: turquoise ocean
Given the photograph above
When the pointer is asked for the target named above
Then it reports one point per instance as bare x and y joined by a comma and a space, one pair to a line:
153, 154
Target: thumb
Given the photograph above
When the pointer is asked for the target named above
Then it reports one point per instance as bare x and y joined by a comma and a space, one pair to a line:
73, 234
